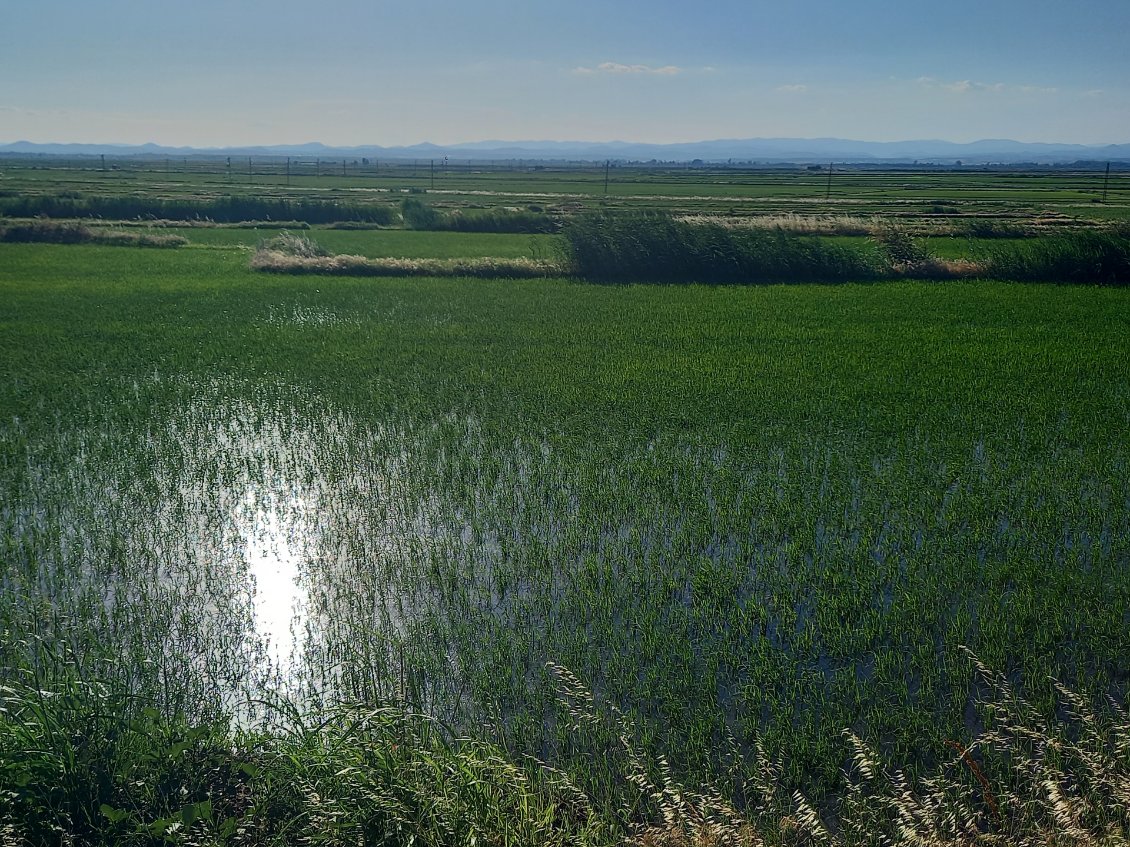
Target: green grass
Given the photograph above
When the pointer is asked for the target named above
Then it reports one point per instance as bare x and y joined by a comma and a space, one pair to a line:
767, 513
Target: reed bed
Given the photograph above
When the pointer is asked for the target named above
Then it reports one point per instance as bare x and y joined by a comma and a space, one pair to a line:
658, 248
49, 232
223, 209
1089, 257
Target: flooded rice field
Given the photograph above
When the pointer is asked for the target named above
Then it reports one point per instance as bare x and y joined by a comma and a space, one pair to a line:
251, 550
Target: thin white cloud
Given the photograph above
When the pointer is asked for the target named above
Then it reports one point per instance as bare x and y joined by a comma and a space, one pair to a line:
964, 86
792, 89
961, 86
970, 86
618, 68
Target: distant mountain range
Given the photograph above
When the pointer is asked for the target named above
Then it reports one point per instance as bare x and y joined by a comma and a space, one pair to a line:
761, 150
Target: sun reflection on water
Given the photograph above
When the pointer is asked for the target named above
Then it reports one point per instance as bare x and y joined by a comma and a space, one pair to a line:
275, 531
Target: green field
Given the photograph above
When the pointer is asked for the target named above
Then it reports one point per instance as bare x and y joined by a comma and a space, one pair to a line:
738, 514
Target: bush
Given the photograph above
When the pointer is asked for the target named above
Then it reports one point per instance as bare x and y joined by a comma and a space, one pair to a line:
658, 248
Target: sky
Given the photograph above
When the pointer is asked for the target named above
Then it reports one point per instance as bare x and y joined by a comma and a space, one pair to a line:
390, 72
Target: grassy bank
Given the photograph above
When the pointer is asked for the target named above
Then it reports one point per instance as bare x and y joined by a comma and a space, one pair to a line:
82, 763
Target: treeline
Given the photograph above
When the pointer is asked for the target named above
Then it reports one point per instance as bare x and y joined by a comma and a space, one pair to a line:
228, 209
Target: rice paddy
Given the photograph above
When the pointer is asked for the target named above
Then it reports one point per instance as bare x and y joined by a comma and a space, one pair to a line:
745, 518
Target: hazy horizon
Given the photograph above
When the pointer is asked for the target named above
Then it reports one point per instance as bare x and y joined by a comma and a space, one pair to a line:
490, 143
352, 73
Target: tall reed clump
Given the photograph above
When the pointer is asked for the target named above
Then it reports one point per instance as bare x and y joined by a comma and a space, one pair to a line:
1092, 257
660, 248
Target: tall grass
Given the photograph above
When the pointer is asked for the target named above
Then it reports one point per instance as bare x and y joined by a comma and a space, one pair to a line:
1093, 257
1025, 780
83, 763
660, 248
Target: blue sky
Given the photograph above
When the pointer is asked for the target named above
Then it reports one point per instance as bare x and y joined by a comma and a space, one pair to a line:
211, 73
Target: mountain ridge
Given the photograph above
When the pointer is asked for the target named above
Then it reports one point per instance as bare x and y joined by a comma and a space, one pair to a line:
760, 150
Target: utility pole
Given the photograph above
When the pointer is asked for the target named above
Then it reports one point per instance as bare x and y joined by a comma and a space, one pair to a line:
828, 193
607, 166
288, 171
1106, 181
343, 167
433, 171
103, 162
248, 170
